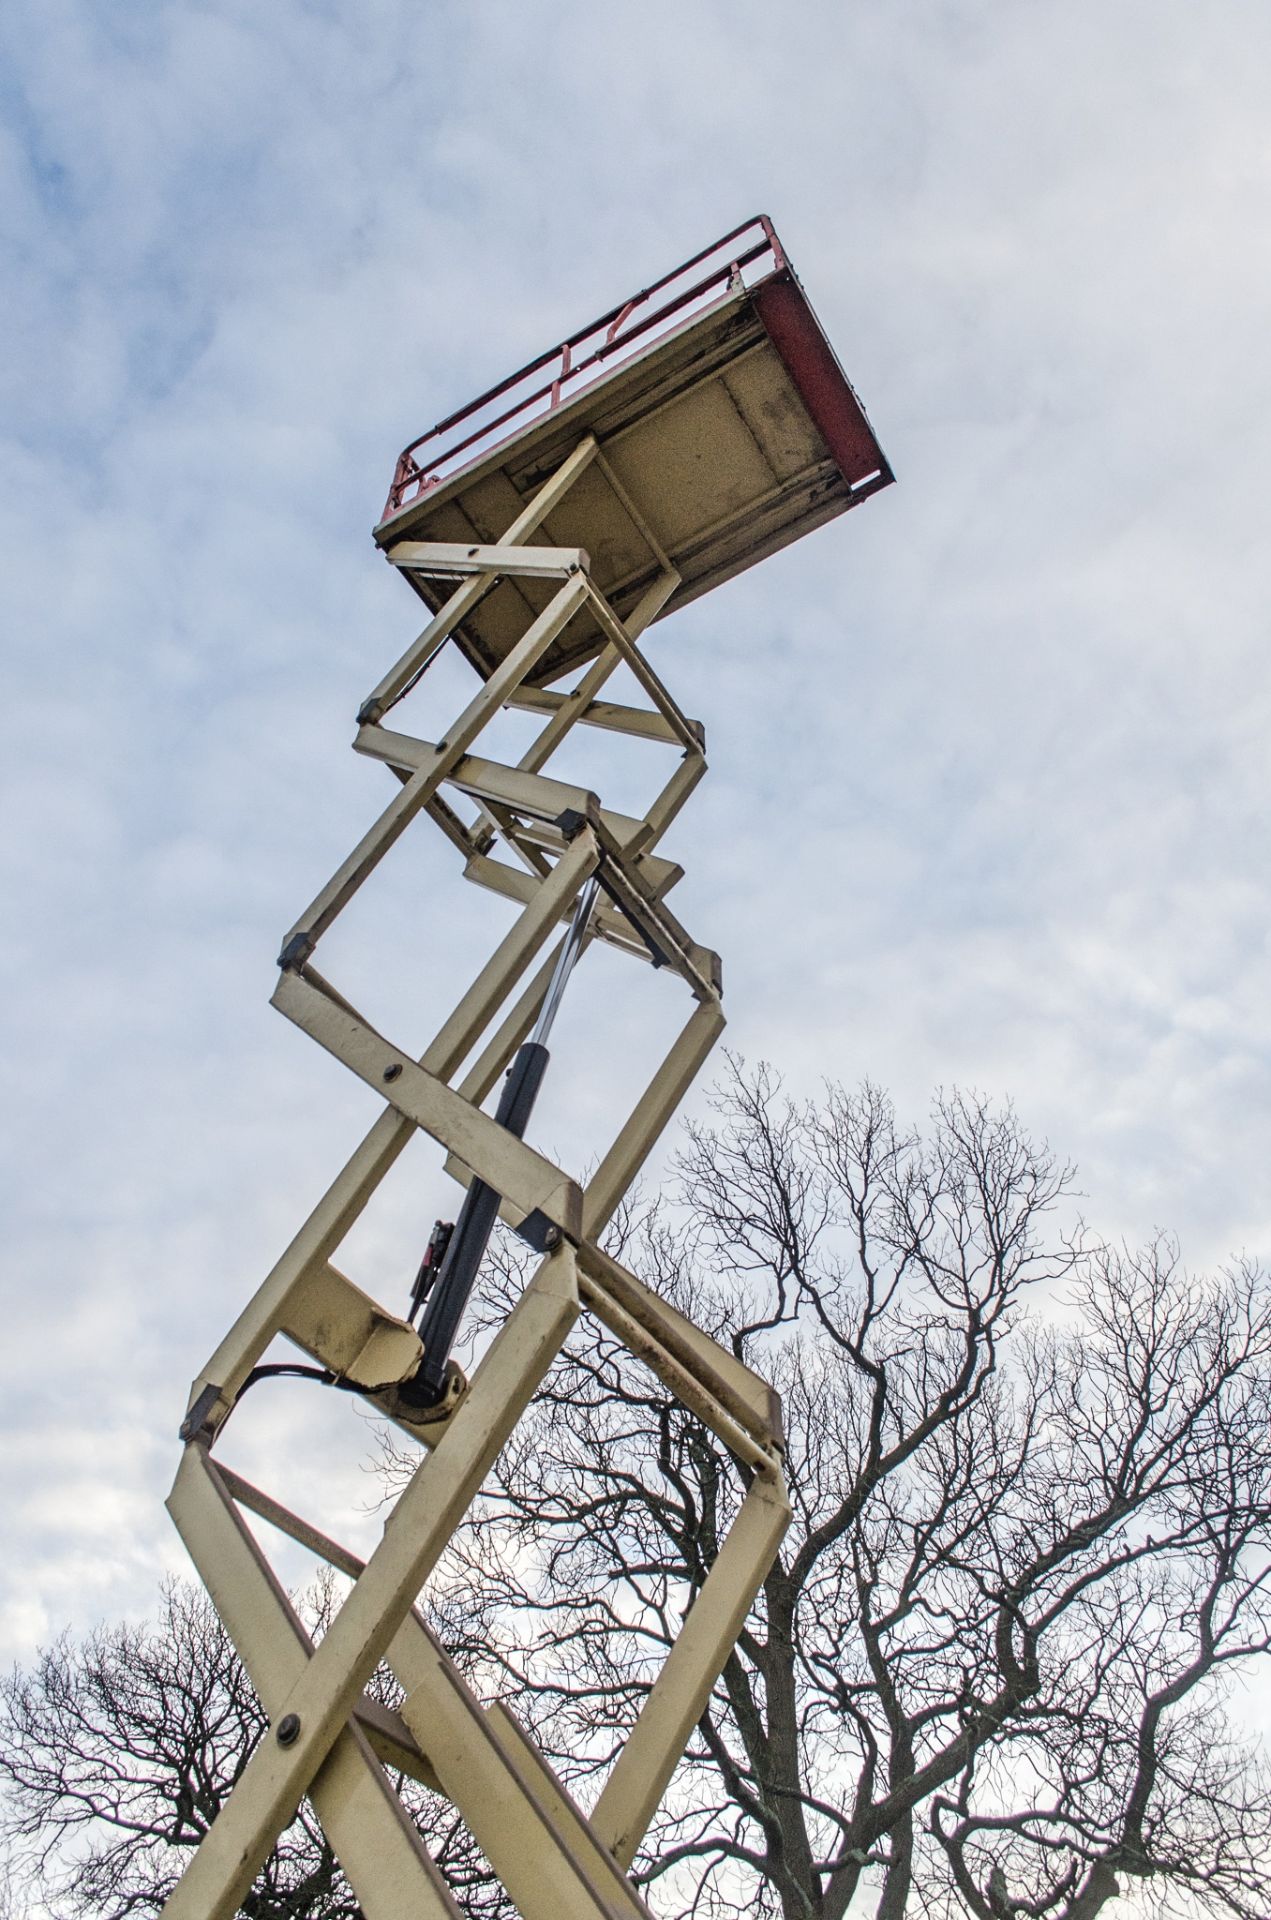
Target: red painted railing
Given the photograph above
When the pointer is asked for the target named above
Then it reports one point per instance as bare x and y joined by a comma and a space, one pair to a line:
508, 409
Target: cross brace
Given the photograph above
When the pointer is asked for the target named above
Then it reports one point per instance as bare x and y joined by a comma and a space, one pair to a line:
329, 1739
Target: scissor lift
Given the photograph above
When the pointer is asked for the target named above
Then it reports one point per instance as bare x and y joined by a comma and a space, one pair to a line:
690, 432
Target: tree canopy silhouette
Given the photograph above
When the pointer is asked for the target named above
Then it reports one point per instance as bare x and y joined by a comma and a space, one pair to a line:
1032, 1491
990, 1672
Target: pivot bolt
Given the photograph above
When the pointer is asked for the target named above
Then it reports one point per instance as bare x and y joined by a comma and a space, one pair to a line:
289, 1730
393, 1073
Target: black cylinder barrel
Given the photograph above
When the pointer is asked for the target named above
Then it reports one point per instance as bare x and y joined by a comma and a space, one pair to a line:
449, 1296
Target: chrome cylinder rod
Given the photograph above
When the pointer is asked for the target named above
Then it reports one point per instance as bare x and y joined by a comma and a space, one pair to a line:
570, 950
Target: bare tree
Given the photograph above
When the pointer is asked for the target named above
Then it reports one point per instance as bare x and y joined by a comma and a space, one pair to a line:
986, 1675
116, 1754
989, 1673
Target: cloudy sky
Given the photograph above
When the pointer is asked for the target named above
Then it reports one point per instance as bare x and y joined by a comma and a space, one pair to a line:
989, 783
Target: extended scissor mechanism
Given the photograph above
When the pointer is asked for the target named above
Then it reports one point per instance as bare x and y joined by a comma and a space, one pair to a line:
595, 874
488, 548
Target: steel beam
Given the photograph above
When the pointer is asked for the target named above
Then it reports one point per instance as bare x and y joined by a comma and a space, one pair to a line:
328, 1738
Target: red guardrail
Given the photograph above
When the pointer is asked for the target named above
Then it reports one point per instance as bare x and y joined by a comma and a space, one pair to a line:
482, 424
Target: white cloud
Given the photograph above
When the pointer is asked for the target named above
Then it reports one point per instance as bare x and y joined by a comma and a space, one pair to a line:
989, 786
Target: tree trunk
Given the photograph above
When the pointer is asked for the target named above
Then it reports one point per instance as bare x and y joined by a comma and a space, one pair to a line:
798, 1879
1101, 1887
900, 1871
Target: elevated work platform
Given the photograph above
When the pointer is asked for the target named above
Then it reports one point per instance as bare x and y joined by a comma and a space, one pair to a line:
725, 427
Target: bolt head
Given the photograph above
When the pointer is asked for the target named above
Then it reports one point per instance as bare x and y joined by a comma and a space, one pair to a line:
289, 1730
